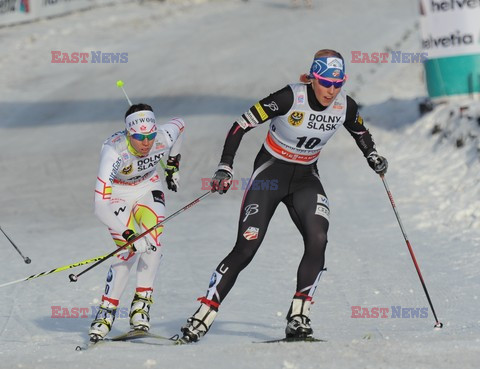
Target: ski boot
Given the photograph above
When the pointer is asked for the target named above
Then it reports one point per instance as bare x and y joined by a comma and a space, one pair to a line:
102, 324
199, 324
298, 323
140, 311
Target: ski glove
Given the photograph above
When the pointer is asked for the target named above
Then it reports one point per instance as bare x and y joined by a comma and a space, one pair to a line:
172, 177
378, 163
141, 245
222, 179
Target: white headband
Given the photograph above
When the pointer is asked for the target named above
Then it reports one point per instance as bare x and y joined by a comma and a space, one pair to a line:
141, 122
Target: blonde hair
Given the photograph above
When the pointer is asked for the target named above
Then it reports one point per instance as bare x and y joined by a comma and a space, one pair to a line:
319, 54
328, 52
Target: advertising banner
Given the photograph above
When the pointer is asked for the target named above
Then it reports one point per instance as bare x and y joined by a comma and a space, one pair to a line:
15, 11
450, 27
47, 8
18, 11
451, 38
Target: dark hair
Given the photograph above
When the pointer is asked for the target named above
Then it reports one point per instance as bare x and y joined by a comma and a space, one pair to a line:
137, 107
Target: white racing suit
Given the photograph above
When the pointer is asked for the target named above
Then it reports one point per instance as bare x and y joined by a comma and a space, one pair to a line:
129, 195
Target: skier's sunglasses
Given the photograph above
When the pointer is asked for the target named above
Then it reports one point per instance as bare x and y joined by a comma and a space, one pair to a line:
327, 82
141, 137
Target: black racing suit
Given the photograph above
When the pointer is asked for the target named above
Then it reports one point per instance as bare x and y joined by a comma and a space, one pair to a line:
274, 181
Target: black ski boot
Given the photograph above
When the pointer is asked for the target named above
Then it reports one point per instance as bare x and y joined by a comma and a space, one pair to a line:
298, 323
199, 324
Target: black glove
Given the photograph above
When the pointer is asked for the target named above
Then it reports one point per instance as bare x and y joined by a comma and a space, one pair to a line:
378, 163
172, 177
140, 246
222, 179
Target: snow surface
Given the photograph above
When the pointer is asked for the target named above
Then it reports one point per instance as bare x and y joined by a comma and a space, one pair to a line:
209, 61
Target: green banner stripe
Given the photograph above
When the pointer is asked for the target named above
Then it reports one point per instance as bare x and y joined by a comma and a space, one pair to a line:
455, 75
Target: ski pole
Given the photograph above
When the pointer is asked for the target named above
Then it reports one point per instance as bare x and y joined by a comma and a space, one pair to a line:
42, 274
74, 277
438, 324
26, 259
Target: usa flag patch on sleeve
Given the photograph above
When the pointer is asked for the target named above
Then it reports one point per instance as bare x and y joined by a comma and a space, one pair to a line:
251, 233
